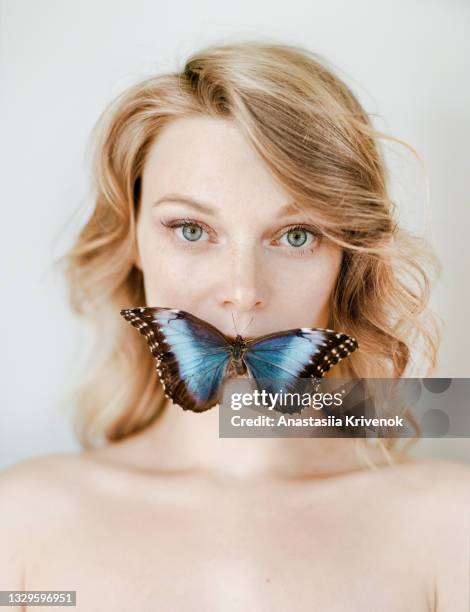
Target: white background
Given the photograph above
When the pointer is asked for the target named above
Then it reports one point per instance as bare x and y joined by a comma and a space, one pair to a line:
63, 61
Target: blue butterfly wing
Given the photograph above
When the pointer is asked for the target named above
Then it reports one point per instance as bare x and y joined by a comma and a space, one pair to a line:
192, 355
282, 362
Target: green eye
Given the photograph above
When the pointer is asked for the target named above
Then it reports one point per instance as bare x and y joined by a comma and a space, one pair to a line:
192, 232
297, 237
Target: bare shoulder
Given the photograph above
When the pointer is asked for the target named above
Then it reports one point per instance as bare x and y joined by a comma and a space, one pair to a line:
51, 482
443, 491
48, 469
34, 495
447, 482
38, 488
438, 485
435, 503
59, 486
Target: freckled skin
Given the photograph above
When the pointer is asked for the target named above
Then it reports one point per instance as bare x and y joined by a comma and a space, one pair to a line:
233, 524
242, 270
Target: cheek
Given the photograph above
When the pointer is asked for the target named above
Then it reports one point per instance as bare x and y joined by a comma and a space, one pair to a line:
171, 277
307, 290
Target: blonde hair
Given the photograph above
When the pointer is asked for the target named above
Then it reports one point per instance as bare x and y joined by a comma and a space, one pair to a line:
312, 132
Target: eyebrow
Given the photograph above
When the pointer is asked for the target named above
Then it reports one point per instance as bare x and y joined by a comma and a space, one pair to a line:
176, 198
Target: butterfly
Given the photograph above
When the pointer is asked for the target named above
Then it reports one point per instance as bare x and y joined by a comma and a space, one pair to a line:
193, 358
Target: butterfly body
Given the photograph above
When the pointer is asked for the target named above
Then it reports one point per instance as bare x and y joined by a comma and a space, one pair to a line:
194, 358
237, 364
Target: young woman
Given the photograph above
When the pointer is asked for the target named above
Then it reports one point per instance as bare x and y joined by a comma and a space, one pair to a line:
251, 185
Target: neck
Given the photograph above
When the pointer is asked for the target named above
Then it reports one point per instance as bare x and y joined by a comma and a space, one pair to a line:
185, 441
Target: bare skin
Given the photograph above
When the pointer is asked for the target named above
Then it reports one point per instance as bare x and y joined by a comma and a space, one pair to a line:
175, 517
126, 534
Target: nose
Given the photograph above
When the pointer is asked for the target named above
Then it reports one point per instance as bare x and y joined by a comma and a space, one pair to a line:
243, 288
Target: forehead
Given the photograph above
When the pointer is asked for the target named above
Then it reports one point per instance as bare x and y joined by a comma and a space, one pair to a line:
209, 159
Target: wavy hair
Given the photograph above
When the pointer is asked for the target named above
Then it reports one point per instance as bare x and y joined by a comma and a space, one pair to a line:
316, 138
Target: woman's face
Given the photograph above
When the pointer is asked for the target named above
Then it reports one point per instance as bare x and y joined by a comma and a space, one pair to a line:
215, 236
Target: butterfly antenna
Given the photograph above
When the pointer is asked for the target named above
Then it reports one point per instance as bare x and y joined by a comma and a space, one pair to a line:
234, 325
251, 320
